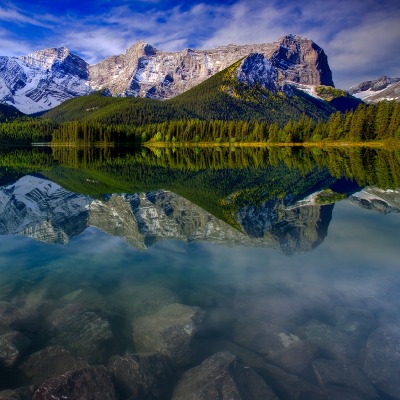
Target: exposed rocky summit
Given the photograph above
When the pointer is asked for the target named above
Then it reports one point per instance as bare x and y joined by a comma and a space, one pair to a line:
46, 78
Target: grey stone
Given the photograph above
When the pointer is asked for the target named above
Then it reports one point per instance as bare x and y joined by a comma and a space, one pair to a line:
12, 346
169, 331
142, 375
24, 393
344, 381
295, 358
285, 385
222, 376
382, 360
354, 320
332, 342
82, 331
50, 362
138, 301
12, 316
91, 383
262, 337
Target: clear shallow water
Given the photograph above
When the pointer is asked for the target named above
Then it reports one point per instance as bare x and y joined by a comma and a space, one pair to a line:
290, 308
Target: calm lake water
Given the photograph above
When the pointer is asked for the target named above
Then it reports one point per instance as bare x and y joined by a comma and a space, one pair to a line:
286, 258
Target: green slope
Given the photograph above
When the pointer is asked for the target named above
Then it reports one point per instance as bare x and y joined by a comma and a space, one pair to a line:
9, 113
220, 97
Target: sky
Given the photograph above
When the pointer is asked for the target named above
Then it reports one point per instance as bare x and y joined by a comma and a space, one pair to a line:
360, 37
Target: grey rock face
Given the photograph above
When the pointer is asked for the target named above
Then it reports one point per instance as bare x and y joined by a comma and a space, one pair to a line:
48, 77
82, 331
91, 383
382, 360
50, 362
169, 331
302, 61
258, 70
222, 376
143, 375
12, 346
343, 381
43, 79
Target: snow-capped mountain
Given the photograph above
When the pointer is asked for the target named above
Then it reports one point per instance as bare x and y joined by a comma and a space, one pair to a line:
45, 78
383, 88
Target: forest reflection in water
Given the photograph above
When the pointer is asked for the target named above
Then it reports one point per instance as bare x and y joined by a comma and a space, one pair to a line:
285, 257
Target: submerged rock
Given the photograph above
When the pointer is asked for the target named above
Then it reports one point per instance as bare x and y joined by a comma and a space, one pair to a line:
343, 381
332, 342
138, 301
296, 358
24, 393
12, 346
354, 320
222, 376
382, 360
82, 331
142, 375
50, 362
12, 316
285, 385
262, 337
169, 331
91, 383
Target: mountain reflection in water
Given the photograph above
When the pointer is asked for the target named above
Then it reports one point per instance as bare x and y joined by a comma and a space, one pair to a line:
221, 294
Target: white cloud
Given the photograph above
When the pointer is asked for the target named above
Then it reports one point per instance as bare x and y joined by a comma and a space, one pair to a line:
360, 37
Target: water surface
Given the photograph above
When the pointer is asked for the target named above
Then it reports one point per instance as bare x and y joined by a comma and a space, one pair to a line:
280, 271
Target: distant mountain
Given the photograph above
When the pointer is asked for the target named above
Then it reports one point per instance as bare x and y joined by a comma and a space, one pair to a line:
46, 78
383, 88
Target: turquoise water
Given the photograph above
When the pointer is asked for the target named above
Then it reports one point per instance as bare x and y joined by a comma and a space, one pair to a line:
337, 269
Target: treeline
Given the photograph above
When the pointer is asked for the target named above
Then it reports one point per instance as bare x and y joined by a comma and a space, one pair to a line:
380, 122
27, 130
366, 123
83, 132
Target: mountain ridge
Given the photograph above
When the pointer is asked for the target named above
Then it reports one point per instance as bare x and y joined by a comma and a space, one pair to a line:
45, 78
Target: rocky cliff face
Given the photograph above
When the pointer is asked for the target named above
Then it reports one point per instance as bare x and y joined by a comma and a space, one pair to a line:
38, 208
383, 88
45, 78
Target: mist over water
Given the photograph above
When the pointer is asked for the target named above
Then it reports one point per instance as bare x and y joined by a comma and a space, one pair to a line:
279, 273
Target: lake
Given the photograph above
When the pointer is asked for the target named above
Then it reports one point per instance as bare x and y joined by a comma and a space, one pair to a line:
266, 273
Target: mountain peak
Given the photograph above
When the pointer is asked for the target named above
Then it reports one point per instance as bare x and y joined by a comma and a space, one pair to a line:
303, 61
142, 47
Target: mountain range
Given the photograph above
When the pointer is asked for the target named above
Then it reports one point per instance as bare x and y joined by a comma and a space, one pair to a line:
44, 79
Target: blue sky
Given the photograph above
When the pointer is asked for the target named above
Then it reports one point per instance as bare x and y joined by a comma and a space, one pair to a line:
360, 37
